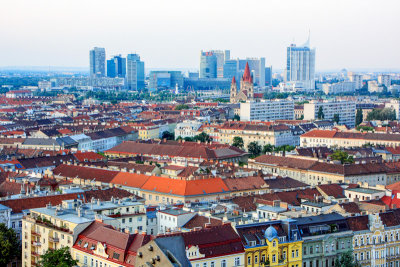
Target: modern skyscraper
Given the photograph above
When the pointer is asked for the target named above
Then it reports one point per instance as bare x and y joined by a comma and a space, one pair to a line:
212, 63
300, 66
268, 76
116, 67
97, 58
231, 69
135, 74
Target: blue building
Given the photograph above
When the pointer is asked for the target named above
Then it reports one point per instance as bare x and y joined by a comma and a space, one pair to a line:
165, 79
135, 75
231, 69
116, 67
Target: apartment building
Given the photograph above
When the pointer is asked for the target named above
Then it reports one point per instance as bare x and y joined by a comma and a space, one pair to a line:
333, 138
313, 172
274, 243
376, 239
260, 133
338, 88
346, 110
267, 110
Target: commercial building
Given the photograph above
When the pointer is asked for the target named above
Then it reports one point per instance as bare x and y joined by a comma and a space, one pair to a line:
267, 110
268, 76
97, 58
135, 74
165, 79
346, 110
212, 63
116, 67
257, 69
300, 66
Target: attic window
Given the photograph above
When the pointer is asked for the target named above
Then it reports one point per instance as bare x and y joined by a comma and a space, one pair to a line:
92, 247
86, 245
79, 242
115, 255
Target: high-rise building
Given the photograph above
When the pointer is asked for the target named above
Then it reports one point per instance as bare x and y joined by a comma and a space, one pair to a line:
385, 79
268, 76
212, 63
97, 58
300, 66
356, 78
135, 74
116, 67
231, 69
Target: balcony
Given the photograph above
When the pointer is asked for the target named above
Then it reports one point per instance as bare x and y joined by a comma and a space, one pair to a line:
36, 244
34, 253
33, 263
35, 233
54, 239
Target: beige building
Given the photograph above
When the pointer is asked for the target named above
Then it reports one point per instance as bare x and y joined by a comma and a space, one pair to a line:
332, 138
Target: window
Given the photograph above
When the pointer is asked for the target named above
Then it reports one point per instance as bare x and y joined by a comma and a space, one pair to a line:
292, 253
273, 258
205, 264
223, 263
297, 253
274, 243
237, 261
248, 260
255, 259
116, 255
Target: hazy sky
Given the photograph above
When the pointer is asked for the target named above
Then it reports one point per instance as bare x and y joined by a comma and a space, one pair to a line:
170, 33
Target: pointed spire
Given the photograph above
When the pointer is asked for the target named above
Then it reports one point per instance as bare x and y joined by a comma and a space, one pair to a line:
233, 80
246, 74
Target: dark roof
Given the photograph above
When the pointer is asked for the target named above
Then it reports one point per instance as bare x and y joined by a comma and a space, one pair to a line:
87, 173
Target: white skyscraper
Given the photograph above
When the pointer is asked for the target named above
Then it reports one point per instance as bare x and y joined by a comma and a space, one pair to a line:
97, 58
300, 66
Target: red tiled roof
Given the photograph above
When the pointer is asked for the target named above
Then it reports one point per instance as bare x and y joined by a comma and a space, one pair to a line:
333, 190
213, 242
185, 187
244, 183
87, 173
18, 205
358, 223
130, 179
88, 156
201, 221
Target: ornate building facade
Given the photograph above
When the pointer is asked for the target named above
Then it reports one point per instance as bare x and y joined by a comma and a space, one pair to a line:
246, 91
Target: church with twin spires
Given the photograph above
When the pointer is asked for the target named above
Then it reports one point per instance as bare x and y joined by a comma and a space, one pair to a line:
246, 91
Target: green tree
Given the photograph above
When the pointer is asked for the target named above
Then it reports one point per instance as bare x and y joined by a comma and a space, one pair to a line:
203, 137
336, 118
181, 107
382, 114
238, 142
254, 149
236, 117
57, 258
359, 117
268, 148
365, 128
9, 245
342, 156
346, 260
169, 136
320, 113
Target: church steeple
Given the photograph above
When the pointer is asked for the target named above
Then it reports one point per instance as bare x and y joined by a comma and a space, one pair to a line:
247, 75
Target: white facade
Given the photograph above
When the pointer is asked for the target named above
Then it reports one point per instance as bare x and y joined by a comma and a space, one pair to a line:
172, 219
338, 88
267, 110
187, 129
357, 79
345, 109
374, 87
385, 79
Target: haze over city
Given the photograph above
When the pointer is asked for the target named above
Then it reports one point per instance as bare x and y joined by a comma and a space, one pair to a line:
170, 34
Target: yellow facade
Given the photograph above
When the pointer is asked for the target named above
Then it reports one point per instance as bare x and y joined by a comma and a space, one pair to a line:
274, 253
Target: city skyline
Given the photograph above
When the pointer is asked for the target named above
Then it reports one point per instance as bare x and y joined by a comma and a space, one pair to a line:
170, 35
